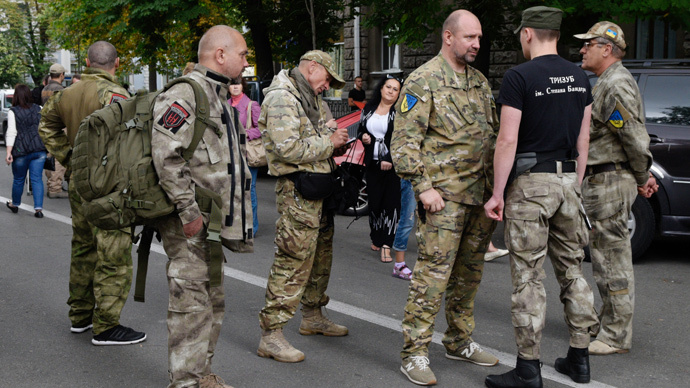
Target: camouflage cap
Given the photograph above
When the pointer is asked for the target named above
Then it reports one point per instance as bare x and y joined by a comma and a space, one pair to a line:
56, 69
606, 30
325, 60
541, 17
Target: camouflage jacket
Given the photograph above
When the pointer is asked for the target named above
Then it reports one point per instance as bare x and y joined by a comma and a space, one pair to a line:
67, 108
445, 132
292, 142
49, 90
218, 163
617, 133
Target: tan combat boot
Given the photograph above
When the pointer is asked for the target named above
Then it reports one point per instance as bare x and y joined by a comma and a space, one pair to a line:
212, 381
313, 322
274, 345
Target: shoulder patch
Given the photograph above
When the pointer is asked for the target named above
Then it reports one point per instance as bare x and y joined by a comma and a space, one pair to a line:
117, 97
174, 117
409, 101
616, 119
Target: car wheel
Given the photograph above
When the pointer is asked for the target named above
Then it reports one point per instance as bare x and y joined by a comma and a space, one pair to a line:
362, 207
641, 224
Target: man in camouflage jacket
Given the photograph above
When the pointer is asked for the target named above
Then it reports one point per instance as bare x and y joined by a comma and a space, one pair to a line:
54, 178
619, 162
101, 266
443, 142
195, 307
297, 140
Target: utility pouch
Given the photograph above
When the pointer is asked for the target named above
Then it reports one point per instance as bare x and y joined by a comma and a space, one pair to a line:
523, 162
312, 185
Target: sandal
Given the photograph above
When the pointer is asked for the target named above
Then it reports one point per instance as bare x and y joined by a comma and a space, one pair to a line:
14, 209
401, 273
375, 248
386, 254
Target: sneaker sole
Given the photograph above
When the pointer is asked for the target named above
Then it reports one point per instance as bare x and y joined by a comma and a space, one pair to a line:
107, 343
450, 356
415, 381
78, 330
263, 354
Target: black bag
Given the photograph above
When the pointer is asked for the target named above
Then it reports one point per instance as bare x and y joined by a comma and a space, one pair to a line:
49, 163
312, 185
348, 178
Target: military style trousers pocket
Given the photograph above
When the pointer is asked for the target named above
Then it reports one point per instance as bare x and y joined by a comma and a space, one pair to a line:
523, 231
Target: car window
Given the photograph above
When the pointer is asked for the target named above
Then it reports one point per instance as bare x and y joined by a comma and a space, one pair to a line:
667, 99
8, 100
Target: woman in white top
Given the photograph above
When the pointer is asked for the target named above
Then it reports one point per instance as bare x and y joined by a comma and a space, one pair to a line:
25, 149
383, 185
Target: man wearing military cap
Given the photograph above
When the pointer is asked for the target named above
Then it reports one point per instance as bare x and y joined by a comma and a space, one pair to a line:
619, 162
54, 178
443, 142
546, 107
300, 148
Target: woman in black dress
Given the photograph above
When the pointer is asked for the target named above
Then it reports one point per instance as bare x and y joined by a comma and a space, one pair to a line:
383, 185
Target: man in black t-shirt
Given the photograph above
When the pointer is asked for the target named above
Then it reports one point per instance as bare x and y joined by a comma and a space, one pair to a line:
546, 107
356, 94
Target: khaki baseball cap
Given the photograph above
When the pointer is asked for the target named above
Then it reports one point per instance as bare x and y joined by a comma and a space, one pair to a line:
541, 17
608, 30
325, 60
56, 69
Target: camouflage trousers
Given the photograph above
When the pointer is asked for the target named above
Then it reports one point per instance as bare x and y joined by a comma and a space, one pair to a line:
100, 273
543, 215
451, 246
55, 178
195, 310
302, 265
608, 198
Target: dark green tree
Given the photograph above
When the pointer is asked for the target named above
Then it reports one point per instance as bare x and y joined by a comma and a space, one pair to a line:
11, 67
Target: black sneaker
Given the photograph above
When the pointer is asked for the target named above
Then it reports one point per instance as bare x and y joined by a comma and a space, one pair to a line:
81, 327
118, 335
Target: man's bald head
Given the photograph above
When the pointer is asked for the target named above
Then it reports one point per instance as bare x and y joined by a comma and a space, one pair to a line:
102, 55
456, 18
223, 49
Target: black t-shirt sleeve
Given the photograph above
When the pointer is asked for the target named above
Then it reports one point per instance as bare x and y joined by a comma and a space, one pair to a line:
512, 90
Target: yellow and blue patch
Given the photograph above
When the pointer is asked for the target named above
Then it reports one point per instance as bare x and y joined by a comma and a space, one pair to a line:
611, 33
616, 119
409, 101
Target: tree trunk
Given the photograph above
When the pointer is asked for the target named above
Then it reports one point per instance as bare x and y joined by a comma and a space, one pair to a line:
153, 85
262, 44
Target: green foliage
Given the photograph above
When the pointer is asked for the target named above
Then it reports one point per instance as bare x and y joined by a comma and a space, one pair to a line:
27, 35
11, 67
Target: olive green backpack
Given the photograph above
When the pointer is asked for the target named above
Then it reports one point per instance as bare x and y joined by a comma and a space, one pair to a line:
113, 170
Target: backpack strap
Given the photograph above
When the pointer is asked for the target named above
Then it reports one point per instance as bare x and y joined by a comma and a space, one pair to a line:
210, 202
142, 261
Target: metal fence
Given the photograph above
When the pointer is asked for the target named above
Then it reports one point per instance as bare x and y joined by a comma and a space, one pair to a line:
339, 108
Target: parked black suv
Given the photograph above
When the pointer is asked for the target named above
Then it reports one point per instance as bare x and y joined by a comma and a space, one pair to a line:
665, 87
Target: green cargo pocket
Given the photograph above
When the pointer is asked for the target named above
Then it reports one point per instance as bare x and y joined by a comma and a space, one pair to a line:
522, 229
296, 233
108, 212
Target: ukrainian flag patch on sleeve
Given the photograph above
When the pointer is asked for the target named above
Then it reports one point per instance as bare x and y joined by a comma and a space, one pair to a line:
616, 119
409, 101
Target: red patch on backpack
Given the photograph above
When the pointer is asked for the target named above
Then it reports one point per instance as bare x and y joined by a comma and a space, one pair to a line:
174, 117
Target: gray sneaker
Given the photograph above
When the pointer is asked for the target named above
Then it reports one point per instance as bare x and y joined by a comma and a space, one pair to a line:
416, 369
473, 353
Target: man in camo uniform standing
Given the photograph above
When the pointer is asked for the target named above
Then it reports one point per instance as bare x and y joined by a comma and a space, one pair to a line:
55, 178
619, 162
101, 266
298, 142
545, 111
443, 142
196, 304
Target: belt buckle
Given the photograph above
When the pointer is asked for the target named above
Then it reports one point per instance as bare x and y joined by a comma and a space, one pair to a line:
559, 168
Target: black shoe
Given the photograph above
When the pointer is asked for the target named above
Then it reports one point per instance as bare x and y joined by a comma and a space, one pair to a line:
118, 335
575, 365
12, 207
527, 374
38, 214
81, 327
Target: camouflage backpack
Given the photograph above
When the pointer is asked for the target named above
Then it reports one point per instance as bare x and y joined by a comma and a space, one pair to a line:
112, 165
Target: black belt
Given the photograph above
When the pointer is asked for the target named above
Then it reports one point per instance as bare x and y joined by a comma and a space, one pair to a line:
606, 167
551, 167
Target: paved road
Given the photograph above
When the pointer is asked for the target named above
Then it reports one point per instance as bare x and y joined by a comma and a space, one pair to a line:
39, 351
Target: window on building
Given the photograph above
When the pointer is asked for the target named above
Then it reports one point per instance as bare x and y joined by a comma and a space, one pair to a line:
390, 55
337, 53
655, 40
